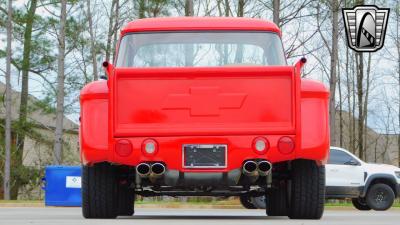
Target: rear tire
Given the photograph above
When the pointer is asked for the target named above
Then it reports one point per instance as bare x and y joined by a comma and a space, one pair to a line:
277, 202
380, 197
246, 202
126, 201
360, 204
307, 190
99, 189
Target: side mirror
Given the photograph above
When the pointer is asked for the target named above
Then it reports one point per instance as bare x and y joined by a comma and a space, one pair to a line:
352, 162
108, 68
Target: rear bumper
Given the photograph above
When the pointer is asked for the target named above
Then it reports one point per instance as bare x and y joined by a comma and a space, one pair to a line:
239, 149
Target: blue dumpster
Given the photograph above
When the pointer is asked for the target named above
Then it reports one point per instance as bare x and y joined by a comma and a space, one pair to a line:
62, 186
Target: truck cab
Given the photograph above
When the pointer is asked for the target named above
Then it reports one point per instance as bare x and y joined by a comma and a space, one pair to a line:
203, 107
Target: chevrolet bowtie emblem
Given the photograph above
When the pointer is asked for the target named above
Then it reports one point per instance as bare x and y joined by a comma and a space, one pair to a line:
204, 101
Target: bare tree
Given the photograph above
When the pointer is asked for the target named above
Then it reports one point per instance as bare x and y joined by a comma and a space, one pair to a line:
115, 28
397, 11
92, 40
240, 8
223, 8
394, 34
333, 50
276, 5
58, 135
227, 8
291, 13
360, 95
365, 106
349, 91
110, 30
189, 8
7, 163
353, 102
339, 81
333, 69
396, 37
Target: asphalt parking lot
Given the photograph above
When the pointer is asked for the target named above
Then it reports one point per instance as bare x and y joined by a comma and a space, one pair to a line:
60, 216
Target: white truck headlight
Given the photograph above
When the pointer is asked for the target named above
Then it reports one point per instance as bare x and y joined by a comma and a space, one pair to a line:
397, 174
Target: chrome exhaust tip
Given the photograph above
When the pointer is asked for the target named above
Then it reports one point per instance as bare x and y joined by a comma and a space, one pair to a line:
264, 167
250, 168
157, 169
143, 169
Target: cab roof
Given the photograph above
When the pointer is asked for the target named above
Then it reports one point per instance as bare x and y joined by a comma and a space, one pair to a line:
199, 23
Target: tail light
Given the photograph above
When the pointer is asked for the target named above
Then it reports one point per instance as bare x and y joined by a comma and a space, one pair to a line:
149, 147
286, 145
260, 145
123, 147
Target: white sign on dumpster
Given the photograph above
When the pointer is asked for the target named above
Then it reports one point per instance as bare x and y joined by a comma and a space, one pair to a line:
73, 182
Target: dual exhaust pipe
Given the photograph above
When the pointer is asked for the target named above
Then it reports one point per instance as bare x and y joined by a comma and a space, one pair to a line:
253, 168
154, 170
250, 168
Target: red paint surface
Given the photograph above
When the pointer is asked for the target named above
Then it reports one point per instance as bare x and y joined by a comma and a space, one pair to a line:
210, 105
199, 23
203, 101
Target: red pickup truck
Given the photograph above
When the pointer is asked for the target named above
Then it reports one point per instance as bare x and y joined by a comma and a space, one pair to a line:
203, 107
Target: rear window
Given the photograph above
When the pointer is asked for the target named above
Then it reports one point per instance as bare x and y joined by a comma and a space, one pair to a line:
200, 49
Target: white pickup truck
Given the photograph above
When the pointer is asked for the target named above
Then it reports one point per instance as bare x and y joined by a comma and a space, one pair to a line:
370, 186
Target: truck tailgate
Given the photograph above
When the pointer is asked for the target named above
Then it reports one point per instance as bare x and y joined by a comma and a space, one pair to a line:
203, 101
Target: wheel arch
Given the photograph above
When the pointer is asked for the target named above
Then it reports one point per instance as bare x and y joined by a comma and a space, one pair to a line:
387, 179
